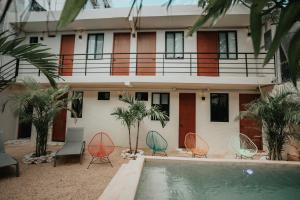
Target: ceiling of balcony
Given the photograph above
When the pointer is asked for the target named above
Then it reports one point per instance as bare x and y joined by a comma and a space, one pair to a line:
117, 18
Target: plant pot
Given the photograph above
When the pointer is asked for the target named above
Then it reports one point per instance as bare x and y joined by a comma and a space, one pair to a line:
127, 155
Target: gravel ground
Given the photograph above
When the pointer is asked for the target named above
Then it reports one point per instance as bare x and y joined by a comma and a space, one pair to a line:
69, 180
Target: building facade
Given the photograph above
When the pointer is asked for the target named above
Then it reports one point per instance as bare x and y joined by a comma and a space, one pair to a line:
201, 81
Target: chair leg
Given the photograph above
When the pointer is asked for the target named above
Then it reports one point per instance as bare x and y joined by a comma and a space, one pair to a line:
17, 170
54, 163
91, 162
109, 161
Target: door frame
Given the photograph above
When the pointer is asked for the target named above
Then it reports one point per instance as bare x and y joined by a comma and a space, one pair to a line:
61, 73
260, 147
144, 70
116, 73
217, 73
180, 117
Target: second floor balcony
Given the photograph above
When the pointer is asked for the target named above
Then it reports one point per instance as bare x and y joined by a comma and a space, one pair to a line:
150, 67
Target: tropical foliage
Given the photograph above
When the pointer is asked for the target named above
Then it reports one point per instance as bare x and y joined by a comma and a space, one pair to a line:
127, 118
283, 13
46, 104
34, 54
279, 113
138, 111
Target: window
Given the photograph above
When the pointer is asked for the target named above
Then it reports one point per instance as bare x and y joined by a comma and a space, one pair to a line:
141, 96
103, 95
95, 46
33, 40
228, 45
162, 100
219, 111
174, 45
77, 104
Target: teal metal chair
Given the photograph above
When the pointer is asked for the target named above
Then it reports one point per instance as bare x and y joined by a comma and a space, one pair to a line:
156, 143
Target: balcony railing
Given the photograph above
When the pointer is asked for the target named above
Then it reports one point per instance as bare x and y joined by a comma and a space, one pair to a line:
159, 64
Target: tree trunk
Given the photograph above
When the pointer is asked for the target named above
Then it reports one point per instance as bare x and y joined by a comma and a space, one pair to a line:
137, 138
41, 139
129, 133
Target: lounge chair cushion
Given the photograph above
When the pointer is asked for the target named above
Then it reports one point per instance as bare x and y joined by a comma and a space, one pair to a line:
74, 148
6, 160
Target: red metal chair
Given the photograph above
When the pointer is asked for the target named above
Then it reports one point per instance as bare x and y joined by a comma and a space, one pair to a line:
100, 147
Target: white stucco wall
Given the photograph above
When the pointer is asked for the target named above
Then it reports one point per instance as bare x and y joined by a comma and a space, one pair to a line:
101, 68
96, 117
8, 119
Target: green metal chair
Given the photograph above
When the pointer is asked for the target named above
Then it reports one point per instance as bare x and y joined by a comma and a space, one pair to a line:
156, 143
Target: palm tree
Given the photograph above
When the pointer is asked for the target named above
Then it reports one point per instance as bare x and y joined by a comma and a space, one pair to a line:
46, 104
34, 54
278, 112
284, 13
127, 118
140, 112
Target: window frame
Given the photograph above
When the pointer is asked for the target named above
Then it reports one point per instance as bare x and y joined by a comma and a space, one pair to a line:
227, 108
160, 99
227, 46
98, 97
78, 116
33, 37
174, 52
95, 49
141, 92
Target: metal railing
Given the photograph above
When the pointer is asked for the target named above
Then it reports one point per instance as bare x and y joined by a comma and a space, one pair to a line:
8, 73
160, 64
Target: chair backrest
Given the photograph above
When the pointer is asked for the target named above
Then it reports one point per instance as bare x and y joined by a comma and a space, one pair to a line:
2, 150
74, 135
193, 140
101, 145
156, 141
243, 142
247, 143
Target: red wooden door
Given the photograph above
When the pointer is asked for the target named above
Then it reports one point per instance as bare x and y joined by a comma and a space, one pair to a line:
250, 127
187, 115
207, 57
121, 56
24, 128
146, 63
66, 55
59, 126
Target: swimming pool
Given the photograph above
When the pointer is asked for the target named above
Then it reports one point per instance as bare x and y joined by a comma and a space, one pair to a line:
177, 180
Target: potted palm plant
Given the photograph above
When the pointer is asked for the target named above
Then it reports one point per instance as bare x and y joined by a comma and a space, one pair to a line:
278, 112
46, 104
127, 118
135, 113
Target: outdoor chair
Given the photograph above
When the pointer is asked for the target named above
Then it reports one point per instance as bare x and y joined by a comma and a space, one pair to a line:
5, 159
74, 145
156, 143
243, 146
194, 143
100, 147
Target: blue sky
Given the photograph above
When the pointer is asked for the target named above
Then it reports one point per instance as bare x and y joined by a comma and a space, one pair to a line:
127, 3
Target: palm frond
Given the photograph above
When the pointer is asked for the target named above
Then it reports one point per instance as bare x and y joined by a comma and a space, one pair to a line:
70, 11
34, 54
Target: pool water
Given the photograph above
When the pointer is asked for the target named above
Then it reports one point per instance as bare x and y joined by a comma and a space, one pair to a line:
218, 181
